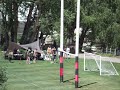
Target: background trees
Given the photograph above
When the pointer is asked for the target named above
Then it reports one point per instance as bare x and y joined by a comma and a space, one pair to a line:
100, 20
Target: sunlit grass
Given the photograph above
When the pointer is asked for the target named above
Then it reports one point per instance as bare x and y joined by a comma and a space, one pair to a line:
45, 76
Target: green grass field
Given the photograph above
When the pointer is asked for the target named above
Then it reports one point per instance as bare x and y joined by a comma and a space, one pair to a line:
45, 76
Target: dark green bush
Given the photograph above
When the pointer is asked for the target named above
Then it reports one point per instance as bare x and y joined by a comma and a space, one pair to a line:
3, 78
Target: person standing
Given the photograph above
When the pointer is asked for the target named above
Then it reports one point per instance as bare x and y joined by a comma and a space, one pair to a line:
53, 54
58, 52
10, 56
35, 55
49, 52
19, 55
68, 51
28, 56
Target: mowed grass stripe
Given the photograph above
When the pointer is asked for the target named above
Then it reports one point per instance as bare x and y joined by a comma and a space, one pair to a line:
20, 86
21, 79
46, 76
28, 74
31, 78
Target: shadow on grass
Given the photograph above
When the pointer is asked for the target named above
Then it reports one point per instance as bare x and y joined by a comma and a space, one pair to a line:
87, 84
69, 80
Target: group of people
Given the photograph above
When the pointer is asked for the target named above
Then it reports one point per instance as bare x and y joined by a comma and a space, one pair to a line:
65, 55
31, 56
15, 54
51, 52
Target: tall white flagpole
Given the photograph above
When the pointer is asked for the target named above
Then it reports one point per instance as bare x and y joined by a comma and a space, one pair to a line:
77, 27
61, 41
62, 25
77, 45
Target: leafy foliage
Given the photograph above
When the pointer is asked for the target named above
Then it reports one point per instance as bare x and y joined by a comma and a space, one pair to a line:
3, 78
102, 17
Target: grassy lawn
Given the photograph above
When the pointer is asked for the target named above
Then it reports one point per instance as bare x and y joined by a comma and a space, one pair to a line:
45, 76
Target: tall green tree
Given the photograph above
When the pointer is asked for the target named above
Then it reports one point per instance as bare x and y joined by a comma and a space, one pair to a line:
9, 11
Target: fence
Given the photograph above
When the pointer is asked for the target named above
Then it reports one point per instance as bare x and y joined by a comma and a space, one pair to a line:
115, 51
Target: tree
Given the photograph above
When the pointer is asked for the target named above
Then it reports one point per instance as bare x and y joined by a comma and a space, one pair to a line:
9, 11
28, 24
100, 17
107, 18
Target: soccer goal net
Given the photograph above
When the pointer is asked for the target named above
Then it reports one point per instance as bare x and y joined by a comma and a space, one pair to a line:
103, 65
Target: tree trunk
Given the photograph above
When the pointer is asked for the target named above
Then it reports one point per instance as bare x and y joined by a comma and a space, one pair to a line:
24, 38
9, 28
5, 36
36, 24
6, 43
15, 21
82, 36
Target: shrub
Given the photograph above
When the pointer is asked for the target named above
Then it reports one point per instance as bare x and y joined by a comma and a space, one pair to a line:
3, 78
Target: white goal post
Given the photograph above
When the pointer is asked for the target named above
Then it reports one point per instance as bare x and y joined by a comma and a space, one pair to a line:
93, 62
